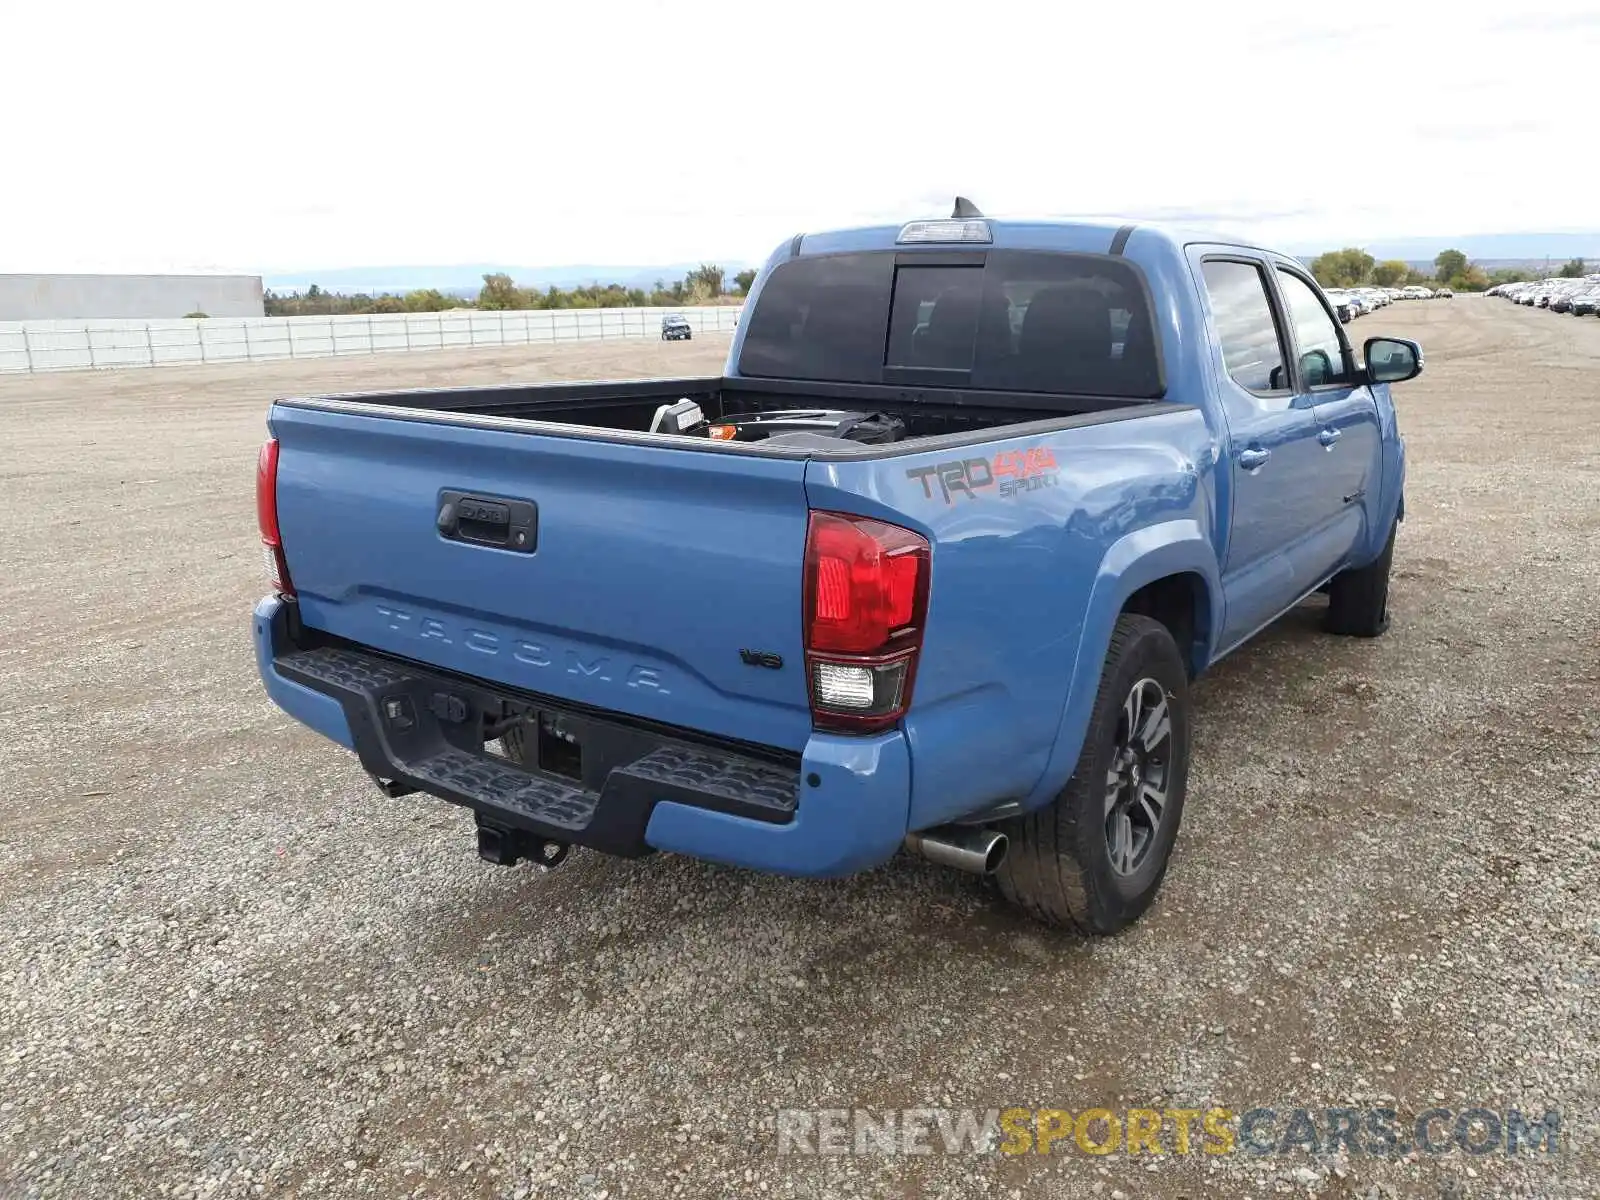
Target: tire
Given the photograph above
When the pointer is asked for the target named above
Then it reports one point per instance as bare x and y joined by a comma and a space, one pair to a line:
1058, 868
1358, 600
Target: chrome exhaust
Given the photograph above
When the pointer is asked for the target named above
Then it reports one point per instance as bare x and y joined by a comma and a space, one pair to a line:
969, 848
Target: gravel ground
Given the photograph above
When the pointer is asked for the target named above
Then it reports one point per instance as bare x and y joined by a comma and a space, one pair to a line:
229, 967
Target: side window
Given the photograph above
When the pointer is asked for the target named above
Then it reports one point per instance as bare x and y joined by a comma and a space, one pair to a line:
1251, 349
1321, 352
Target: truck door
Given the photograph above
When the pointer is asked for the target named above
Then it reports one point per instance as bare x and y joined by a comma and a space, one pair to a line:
1347, 424
1273, 446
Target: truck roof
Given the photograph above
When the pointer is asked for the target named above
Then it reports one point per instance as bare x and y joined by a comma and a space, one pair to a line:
1088, 235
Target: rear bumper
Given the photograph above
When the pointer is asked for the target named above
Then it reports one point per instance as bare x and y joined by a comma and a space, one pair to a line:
841, 808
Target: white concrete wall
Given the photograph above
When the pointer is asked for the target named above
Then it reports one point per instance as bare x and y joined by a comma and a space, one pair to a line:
82, 345
146, 297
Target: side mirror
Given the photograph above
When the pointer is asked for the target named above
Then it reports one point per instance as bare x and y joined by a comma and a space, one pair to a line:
1392, 360
1316, 368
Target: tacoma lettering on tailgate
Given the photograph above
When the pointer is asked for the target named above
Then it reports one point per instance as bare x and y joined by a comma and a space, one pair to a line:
529, 653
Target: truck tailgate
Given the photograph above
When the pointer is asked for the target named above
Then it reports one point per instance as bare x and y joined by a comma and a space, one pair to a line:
647, 572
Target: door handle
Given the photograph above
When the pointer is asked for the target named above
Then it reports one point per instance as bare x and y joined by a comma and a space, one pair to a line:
1254, 457
489, 521
1329, 436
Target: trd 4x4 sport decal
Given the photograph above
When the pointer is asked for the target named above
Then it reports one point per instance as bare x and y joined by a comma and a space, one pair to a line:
1011, 471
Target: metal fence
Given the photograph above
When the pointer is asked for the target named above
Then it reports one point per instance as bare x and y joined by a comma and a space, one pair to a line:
92, 345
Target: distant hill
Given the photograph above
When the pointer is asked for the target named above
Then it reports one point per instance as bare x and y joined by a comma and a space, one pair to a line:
1540, 264
467, 278
1486, 249
1493, 247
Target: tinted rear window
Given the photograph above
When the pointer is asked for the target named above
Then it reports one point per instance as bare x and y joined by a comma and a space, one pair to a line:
1007, 321
821, 318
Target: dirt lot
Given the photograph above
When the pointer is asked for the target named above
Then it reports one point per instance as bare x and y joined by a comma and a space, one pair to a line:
229, 967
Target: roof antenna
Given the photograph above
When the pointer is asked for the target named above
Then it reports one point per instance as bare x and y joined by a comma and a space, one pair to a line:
965, 208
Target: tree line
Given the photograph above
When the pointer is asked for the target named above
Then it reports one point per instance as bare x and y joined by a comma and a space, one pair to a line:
706, 284
1354, 267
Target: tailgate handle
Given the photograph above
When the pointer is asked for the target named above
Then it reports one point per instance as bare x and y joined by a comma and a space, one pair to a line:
489, 521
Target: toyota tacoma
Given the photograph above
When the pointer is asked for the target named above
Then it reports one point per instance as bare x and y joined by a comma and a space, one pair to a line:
930, 566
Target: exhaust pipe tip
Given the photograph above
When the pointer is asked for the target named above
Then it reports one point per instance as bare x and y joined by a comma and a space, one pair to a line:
970, 848
997, 853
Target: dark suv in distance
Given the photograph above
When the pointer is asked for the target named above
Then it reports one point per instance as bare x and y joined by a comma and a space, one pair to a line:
675, 328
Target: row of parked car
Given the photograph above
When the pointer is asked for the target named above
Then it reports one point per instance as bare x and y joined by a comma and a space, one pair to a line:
1579, 296
1351, 303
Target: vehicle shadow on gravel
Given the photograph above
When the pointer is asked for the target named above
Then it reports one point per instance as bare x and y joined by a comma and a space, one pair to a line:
663, 897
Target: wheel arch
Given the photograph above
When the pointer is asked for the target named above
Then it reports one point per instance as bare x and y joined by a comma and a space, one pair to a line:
1182, 602
1167, 571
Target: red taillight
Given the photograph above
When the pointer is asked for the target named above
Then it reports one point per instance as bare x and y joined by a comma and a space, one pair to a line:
267, 518
866, 598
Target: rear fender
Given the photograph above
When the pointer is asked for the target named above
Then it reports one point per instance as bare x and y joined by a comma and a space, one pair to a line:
1134, 561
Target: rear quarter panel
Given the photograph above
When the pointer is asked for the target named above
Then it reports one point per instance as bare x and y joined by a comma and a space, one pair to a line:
1031, 561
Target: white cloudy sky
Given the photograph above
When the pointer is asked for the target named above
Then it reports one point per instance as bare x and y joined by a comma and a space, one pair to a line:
283, 135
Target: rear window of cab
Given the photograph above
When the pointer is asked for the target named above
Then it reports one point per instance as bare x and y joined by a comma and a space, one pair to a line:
1001, 320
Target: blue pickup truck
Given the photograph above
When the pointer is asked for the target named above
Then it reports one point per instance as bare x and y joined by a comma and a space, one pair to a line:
930, 566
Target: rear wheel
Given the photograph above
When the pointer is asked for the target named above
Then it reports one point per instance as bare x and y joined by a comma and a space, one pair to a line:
1358, 600
1094, 858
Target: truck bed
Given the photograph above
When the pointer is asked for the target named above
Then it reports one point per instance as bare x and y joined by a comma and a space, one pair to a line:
540, 544
623, 409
